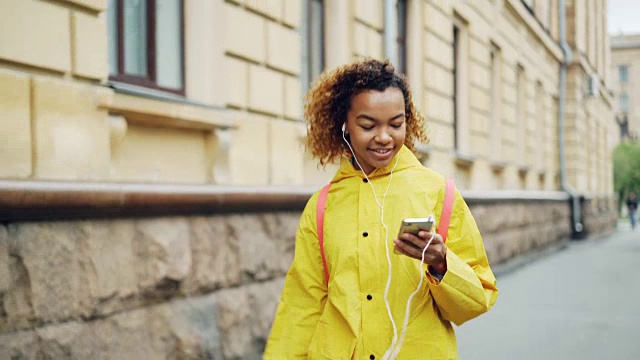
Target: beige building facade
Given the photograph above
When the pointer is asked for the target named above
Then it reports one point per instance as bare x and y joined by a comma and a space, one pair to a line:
485, 74
625, 54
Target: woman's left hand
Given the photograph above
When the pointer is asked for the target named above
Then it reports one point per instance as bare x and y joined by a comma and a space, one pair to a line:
412, 246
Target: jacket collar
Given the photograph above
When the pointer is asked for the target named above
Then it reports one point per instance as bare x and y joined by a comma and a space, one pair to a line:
405, 158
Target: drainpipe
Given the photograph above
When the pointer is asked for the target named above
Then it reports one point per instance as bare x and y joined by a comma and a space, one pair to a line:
304, 47
576, 223
390, 31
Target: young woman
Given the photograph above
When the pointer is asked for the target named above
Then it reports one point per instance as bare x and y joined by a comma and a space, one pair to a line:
377, 303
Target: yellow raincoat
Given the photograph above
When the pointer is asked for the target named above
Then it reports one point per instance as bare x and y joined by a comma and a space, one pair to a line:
349, 320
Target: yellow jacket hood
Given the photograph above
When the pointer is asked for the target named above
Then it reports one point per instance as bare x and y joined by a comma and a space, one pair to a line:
405, 158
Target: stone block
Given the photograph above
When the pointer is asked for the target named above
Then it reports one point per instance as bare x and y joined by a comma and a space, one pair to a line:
480, 100
287, 153
438, 50
282, 227
48, 264
438, 78
17, 304
375, 44
440, 136
96, 5
48, 46
109, 250
204, 62
437, 107
244, 318
15, 125
283, 47
215, 255
245, 34
5, 275
438, 22
90, 41
368, 41
370, 12
292, 98
130, 335
71, 340
291, 15
71, 134
314, 174
249, 167
18, 345
163, 255
360, 38
259, 257
268, 8
237, 72
156, 154
193, 324
266, 90
480, 76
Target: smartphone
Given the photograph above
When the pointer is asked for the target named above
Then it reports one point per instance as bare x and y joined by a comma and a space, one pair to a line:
414, 226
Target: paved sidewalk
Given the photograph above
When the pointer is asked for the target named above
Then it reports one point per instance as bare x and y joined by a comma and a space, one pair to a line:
580, 301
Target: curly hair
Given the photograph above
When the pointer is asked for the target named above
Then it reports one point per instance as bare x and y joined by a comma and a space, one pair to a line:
329, 100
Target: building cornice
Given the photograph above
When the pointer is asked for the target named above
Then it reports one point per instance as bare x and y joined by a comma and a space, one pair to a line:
545, 38
51, 200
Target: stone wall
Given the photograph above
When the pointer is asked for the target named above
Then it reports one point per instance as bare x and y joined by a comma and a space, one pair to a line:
200, 287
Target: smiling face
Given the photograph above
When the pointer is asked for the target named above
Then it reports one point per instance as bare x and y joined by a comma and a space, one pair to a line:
376, 124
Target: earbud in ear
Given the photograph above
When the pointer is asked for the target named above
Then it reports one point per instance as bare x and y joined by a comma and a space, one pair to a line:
344, 127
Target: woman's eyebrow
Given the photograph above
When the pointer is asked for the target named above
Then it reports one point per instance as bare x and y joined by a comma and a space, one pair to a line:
371, 118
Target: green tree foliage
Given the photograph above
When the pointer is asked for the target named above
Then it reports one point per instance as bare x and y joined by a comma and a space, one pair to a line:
626, 168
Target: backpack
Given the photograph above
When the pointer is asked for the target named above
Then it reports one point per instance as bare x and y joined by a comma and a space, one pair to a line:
443, 229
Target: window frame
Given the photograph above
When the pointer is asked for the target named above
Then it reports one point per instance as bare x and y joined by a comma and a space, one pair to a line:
150, 80
623, 69
402, 13
495, 143
312, 39
456, 86
624, 103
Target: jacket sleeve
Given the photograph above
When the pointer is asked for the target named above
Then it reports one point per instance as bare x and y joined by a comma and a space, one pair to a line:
468, 288
303, 296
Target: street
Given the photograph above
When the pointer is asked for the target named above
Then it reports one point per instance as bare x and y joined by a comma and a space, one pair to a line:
578, 300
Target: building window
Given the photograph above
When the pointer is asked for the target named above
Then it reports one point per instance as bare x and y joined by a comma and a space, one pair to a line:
146, 43
460, 85
495, 145
623, 73
540, 127
456, 76
401, 10
624, 103
520, 115
316, 59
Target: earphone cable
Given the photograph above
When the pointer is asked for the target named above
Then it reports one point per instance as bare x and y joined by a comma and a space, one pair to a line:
386, 241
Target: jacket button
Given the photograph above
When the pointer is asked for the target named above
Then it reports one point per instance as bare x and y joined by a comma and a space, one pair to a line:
365, 234
365, 180
372, 357
369, 297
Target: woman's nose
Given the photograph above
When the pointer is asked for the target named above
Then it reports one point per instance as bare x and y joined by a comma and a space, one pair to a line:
383, 136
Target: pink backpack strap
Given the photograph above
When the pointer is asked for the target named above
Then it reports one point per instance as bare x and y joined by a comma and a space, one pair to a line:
320, 206
445, 217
